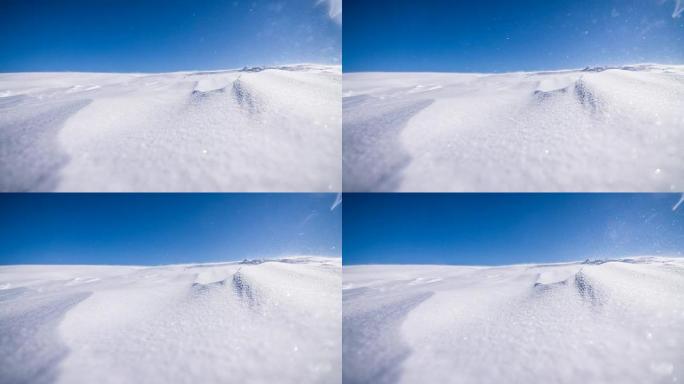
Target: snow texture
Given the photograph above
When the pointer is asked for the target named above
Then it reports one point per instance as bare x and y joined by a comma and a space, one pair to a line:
617, 321
596, 129
268, 321
255, 129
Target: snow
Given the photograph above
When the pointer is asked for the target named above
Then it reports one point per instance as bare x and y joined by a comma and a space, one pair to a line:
258, 322
618, 321
334, 9
596, 129
255, 129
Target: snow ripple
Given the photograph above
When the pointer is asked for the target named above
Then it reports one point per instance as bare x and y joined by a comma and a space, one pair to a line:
593, 322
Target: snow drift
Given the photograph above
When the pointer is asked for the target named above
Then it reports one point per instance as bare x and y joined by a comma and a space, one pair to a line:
619, 321
597, 129
255, 129
251, 322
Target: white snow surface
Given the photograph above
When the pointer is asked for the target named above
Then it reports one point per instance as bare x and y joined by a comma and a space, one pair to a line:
270, 321
597, 129
619, 321
255, 129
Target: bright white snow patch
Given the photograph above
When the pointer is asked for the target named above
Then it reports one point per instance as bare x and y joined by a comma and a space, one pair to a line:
256, 129
681, 200
679, 8
620, 321
598, 129
338, 201
251, 322
334, 9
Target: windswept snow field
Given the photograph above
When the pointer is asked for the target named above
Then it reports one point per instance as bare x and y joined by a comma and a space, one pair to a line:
272, 321
598, 129
618, 321
256, 129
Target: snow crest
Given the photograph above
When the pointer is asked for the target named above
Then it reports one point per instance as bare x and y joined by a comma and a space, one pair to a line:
255, 129
598, 322
596, 129
258, 322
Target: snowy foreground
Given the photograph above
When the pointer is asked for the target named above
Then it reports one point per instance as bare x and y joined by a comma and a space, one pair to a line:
598, 129
253, 322
611, 322
256, 129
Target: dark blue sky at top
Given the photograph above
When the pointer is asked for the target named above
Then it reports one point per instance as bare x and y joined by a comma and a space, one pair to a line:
152, 229
505, 35
499, 229
164, 35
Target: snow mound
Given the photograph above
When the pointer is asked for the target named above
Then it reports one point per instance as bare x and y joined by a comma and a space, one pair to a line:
617, 321
273, 321
596, 129
255, 129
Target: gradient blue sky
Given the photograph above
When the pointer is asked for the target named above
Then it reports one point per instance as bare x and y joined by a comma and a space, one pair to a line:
496, 229
166, 35
505, 35
152, 229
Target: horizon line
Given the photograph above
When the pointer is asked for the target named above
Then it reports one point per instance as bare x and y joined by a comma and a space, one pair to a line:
619, 66
263, 259
607, 259
272, 66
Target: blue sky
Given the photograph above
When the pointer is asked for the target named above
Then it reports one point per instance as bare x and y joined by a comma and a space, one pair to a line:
498, 229
166, 35
505, 35
152, 229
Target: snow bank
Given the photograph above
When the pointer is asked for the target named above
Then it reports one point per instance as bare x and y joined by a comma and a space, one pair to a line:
257, 322
597, 129
256, 129
619, 321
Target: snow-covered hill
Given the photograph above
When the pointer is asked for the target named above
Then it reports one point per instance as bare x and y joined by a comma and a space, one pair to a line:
619, 321
597, 129
255, 129
253, 322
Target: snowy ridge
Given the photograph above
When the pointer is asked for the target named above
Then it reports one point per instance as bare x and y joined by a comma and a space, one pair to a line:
595, 129
255, 129
258, 322
593, 322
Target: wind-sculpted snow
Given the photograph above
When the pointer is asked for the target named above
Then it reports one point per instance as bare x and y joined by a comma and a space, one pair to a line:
251, 322
256, 129
597, 129
618, 321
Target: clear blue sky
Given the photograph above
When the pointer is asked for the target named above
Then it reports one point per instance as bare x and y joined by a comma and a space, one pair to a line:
165, 35
506, 35
152, 229
496, 229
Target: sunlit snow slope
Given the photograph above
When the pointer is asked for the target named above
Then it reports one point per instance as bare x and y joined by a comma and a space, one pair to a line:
603, 322
256, 129
252, 322
598, 129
